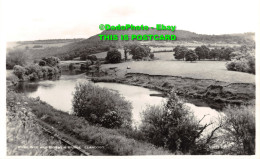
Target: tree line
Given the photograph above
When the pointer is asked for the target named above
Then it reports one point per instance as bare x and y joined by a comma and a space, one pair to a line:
47, 67
202, 53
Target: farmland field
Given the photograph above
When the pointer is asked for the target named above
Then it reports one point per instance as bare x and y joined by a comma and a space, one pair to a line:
199, 70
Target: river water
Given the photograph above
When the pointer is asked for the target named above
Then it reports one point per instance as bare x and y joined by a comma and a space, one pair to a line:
59, 94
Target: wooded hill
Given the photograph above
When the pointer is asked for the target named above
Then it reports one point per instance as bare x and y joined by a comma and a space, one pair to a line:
94, 45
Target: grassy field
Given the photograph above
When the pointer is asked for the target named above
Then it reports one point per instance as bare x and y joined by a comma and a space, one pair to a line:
199, 70
165, 56
43, 43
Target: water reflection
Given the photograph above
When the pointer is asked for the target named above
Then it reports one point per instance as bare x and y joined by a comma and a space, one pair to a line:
59, 94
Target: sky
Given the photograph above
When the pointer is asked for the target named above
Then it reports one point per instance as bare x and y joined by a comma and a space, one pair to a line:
59, 19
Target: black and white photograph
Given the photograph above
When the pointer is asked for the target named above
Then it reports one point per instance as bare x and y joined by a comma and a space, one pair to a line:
130, 78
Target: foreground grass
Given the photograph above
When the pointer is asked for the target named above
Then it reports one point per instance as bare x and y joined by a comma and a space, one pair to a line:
113, 141
25, 136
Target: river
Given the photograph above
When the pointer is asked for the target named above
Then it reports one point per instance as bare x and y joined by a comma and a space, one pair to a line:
59, 94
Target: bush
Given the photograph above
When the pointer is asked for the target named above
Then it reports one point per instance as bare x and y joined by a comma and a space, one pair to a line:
19, 71
35, 72
42, 63
151, 55
175, 127
113, 56
242, 62
101, 106
92, 57
78, 130
71, 66
51, 61
238, 65
44, 71
239, 130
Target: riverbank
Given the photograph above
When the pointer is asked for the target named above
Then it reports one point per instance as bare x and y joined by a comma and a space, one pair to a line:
80, 132
215, 93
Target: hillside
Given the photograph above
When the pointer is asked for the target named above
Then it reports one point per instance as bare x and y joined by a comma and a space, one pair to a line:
94, 45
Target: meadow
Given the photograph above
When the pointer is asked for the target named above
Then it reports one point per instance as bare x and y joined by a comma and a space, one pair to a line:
198, 70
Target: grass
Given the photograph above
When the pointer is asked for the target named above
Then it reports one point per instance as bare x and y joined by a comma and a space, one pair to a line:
114, 142
199, 70
165, 56
25, 136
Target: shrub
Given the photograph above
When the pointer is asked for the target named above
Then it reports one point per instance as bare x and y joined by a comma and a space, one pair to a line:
42, 63
101, 106
175, 127
51, 71
19, 71
242, 62
251, 64
44, 71
151, 55
80, 132
71, 66
238, 65
113, 56
239, 130
34, 71
51, 61
92, 57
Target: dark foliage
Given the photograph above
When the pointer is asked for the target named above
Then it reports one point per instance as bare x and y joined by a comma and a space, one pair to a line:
191, 56
175, 127
101, 106
113, 56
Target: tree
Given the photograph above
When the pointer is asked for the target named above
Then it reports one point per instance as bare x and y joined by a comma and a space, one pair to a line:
179, 52
83, 56
213, 53
126, 51
191, 56
202, 52
226, 53
51, 61
175, 127
98, 65
101, 106
92, 58
239, 130
206, 51
221, 54
19, 71
139, 52
113, 56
